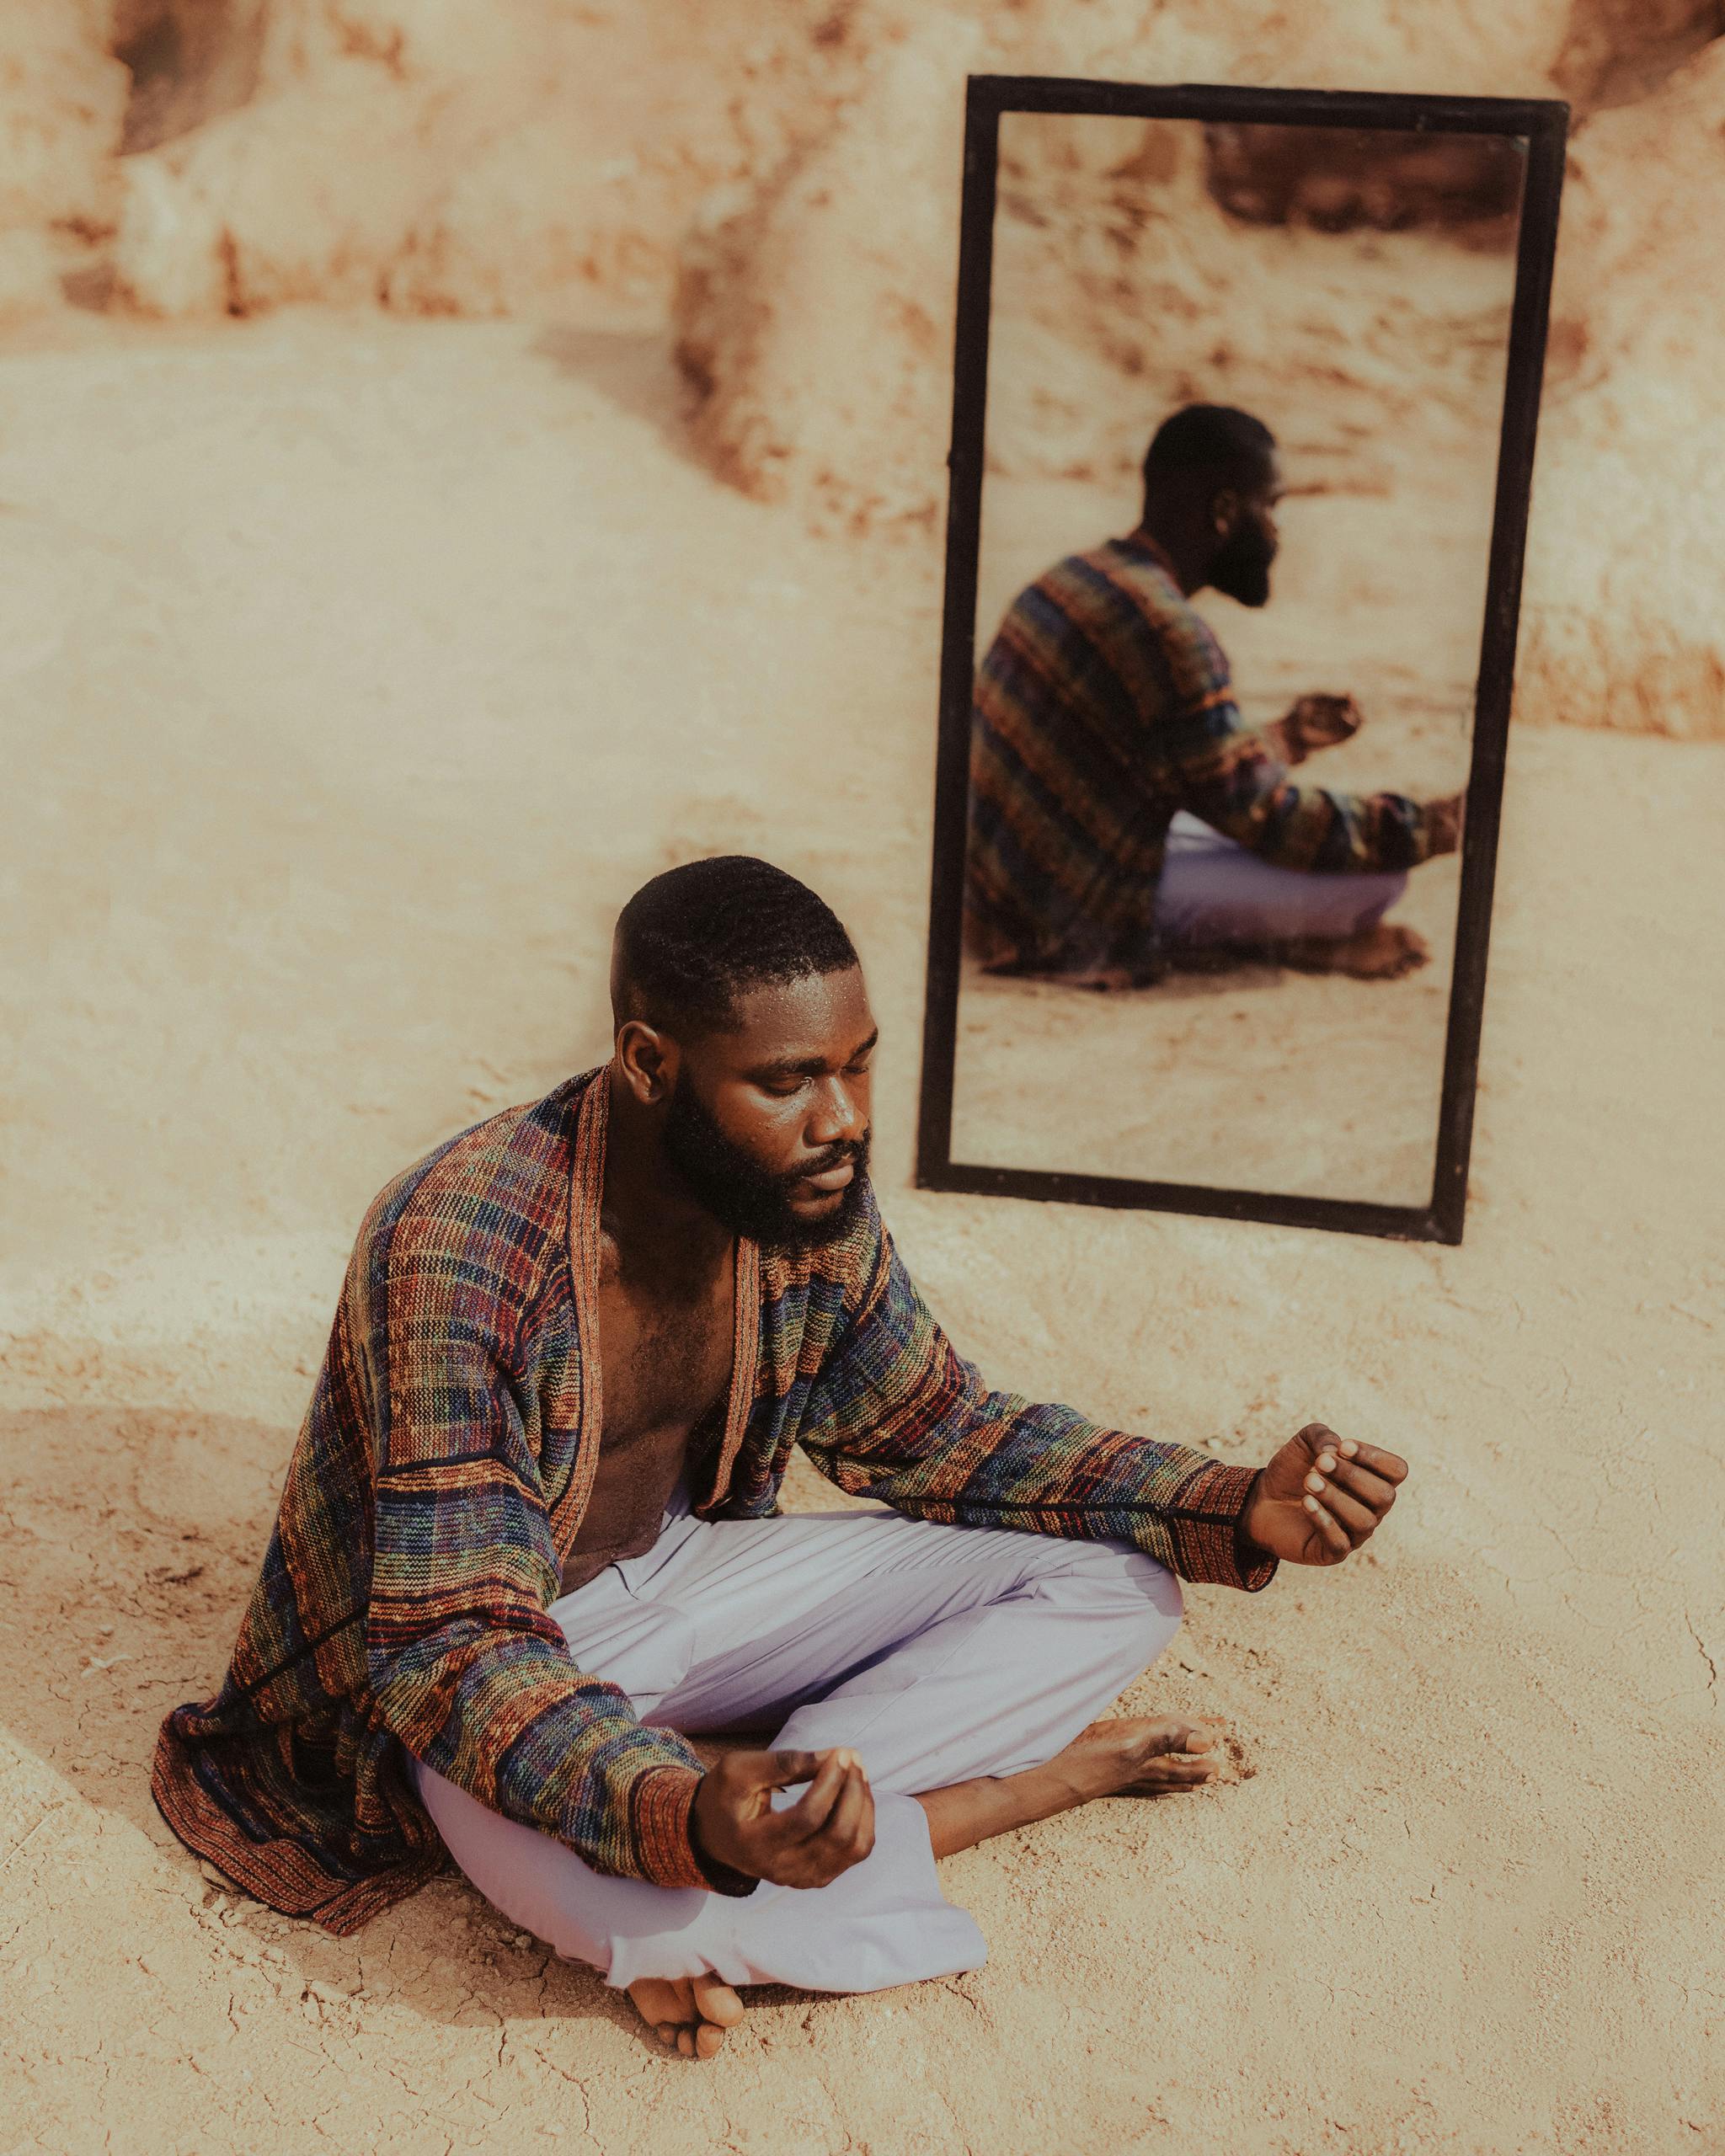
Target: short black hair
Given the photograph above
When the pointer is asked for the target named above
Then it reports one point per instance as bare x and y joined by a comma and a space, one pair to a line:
1209, 439
694, 939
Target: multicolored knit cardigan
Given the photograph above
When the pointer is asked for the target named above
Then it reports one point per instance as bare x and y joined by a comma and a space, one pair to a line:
1103, 705
441, 1474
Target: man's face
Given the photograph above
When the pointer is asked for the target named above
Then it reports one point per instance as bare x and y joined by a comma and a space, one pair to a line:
1241, 565
768, 1123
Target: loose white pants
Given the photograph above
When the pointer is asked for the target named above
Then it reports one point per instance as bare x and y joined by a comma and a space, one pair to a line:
1215, 891
937, 1653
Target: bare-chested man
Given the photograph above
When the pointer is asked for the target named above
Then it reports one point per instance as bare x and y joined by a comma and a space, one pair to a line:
1122, 815
529, 1543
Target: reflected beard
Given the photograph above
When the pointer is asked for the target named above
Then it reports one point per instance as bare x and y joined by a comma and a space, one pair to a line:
743, 1197
1241, 567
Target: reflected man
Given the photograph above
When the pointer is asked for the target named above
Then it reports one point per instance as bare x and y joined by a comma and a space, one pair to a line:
1122, 813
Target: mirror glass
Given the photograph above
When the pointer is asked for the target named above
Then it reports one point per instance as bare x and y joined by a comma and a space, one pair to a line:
1245, 390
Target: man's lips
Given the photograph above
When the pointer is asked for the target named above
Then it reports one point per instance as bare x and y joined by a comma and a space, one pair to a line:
832, 1178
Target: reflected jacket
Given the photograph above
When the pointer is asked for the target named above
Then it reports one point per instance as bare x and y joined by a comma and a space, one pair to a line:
442, 1471
1103, 705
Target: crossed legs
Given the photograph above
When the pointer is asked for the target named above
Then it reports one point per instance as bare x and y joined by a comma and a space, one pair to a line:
964, 1666
1216, 899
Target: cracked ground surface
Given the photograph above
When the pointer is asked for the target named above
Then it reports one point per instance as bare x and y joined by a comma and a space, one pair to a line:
358, 672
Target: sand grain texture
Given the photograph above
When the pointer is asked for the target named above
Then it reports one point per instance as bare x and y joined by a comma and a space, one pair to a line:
358, 671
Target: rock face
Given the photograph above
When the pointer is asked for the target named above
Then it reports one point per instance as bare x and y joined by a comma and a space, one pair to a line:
781, 176
1340, 179
816, 321
458, 158
851, 252
1623, 625
190, 61
62, 108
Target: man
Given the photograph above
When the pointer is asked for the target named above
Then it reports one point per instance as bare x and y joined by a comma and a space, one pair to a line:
529, 1539
1122, 815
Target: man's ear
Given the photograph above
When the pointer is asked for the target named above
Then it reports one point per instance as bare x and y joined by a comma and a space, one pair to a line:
1225, 511
647, 1060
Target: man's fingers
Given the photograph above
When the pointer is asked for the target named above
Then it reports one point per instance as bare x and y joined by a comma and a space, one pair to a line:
865, 1828
845, 1840
1390, 1464
789, 1768
1334, 1540
1319, 1437
813, 1808
1357, 1518
1373, 1490
844, 1824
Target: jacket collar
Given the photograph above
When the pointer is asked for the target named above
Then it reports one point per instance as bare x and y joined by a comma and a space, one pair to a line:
592, 1115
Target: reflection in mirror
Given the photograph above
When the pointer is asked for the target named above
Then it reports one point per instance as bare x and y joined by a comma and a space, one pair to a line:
1245, 388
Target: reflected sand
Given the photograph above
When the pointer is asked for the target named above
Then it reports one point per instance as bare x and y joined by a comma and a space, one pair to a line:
1258, 1078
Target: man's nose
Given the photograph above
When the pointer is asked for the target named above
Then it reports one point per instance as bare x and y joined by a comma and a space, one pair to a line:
841, 1116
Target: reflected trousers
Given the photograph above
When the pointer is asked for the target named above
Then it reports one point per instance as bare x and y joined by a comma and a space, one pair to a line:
938, 1653
1214, 891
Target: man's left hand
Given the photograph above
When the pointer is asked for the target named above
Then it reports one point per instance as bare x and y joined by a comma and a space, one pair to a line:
1320, 1497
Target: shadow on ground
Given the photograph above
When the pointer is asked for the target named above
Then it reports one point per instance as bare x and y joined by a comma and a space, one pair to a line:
635, 370
132, 1537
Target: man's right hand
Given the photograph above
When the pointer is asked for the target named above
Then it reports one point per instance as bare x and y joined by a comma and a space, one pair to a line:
829, 1828
1319, 722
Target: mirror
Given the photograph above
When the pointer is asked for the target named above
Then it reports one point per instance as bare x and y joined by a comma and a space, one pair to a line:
1246, 387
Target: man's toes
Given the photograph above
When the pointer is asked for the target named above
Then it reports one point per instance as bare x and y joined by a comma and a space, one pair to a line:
656, 2001
716, 2001
708, 2040
1161, 1770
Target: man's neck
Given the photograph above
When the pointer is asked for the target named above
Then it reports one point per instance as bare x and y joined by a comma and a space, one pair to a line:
646, 1209
1174, 550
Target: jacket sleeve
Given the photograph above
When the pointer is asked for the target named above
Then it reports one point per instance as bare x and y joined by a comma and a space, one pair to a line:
468, 1669
1223, 773
897, 1414
1234, 785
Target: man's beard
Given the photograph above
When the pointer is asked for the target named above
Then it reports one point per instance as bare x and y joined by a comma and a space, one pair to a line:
743, 1196
1241, 566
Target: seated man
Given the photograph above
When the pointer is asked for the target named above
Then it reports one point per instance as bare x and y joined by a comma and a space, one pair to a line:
529, 1541
1122, 815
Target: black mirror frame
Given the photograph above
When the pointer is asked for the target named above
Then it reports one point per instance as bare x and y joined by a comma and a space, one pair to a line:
1543, 124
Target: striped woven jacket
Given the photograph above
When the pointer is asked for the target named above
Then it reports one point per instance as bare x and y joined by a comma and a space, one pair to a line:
1103, 705
441, 1474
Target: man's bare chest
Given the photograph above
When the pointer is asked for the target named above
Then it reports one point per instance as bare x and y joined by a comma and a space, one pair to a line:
662, 1363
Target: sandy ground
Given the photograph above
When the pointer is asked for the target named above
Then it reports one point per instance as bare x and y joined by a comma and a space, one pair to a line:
357, 671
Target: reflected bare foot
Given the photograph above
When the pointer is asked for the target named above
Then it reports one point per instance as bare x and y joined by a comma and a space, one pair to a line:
1385, 953
690, 2014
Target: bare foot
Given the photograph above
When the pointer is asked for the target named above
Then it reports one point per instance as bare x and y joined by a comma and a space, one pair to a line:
1135, 1755
1385, 953
690, 2014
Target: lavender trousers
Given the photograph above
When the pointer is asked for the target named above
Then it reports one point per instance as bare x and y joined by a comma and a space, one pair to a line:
938, 1653
1215, 891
